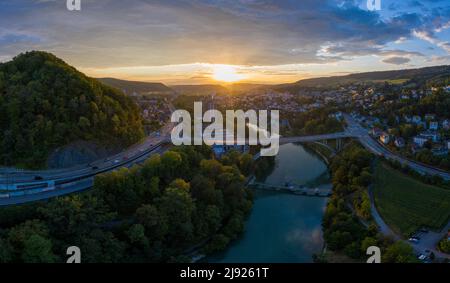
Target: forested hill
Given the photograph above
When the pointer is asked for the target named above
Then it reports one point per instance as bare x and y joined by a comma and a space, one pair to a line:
131, 87
421, 74
45, 103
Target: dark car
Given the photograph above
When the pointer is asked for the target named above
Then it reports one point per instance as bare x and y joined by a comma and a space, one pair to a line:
38, 178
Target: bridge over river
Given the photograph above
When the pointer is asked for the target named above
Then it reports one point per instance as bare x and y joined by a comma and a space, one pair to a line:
25, 186
320, 191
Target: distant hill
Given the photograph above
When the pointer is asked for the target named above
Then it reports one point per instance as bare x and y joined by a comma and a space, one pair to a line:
244, 87
130, 87
205, 89
46, 104
396, 76
218, 89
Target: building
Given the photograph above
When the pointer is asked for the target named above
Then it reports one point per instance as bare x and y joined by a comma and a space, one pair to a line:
385, 138
434, 126
439, 150
416, 119
399, 142
446, 124
420, 140
429, 117
431, 135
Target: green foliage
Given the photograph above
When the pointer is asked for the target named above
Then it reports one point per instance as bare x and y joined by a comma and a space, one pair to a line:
407, 204
444, 245
399, 252
46, 103
316, 121
38, 249
156, 212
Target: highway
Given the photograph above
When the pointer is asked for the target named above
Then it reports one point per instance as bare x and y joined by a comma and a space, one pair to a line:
14, 176
22, 186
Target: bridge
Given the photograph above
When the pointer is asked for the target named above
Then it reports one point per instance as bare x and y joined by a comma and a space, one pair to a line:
17, 186
320, 191
316, 138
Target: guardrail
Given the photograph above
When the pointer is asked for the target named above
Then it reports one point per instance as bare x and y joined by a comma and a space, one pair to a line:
19, 189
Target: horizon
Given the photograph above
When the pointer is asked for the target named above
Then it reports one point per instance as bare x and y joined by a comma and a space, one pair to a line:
180, 42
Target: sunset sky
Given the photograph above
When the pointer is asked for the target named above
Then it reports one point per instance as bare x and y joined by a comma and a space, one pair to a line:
204, 41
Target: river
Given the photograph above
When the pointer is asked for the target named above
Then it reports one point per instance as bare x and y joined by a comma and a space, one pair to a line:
283, 227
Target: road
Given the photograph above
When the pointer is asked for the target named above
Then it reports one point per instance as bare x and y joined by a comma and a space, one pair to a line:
10, 179
356, 130
12, 176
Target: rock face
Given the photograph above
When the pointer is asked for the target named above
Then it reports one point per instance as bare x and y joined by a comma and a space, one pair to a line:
78, 153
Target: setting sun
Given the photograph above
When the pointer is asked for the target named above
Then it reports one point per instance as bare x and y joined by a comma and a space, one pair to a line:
226, 73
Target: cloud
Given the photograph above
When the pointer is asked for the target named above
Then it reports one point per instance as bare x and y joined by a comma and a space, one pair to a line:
431, 38
396, 60
110, 34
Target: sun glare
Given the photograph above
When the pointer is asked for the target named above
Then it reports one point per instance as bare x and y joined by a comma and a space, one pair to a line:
226, 73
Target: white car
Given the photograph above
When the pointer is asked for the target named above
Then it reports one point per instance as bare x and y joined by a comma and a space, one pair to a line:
413, 240
422, 257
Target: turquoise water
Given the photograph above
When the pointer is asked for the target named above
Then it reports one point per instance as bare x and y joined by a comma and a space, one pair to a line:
282, 227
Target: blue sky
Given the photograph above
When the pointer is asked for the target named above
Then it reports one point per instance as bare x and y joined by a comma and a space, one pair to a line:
268, 41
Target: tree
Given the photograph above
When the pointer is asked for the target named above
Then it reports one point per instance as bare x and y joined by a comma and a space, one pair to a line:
177, 206
38, 249
399, 252
5, 252
154, 222
368, 242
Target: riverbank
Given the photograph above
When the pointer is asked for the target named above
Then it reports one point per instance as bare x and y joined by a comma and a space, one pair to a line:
283, 227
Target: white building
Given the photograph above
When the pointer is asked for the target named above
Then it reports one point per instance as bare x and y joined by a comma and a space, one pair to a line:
420, 140
434, 126
431, 135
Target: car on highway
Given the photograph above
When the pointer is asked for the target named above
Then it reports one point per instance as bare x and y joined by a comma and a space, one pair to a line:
38, 178
414, 239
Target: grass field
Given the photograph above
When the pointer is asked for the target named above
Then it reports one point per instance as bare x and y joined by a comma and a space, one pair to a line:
407, 204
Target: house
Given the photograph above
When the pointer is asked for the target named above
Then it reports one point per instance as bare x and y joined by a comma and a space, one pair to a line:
448, 144
431, 135
399, 142
446, 124
439, 150
430, 117
407, 118
434, 126
385, 138
420, 140
416, 119
405, 97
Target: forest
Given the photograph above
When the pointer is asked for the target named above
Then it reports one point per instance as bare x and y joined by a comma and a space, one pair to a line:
347, 224
46, 104
175, 204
